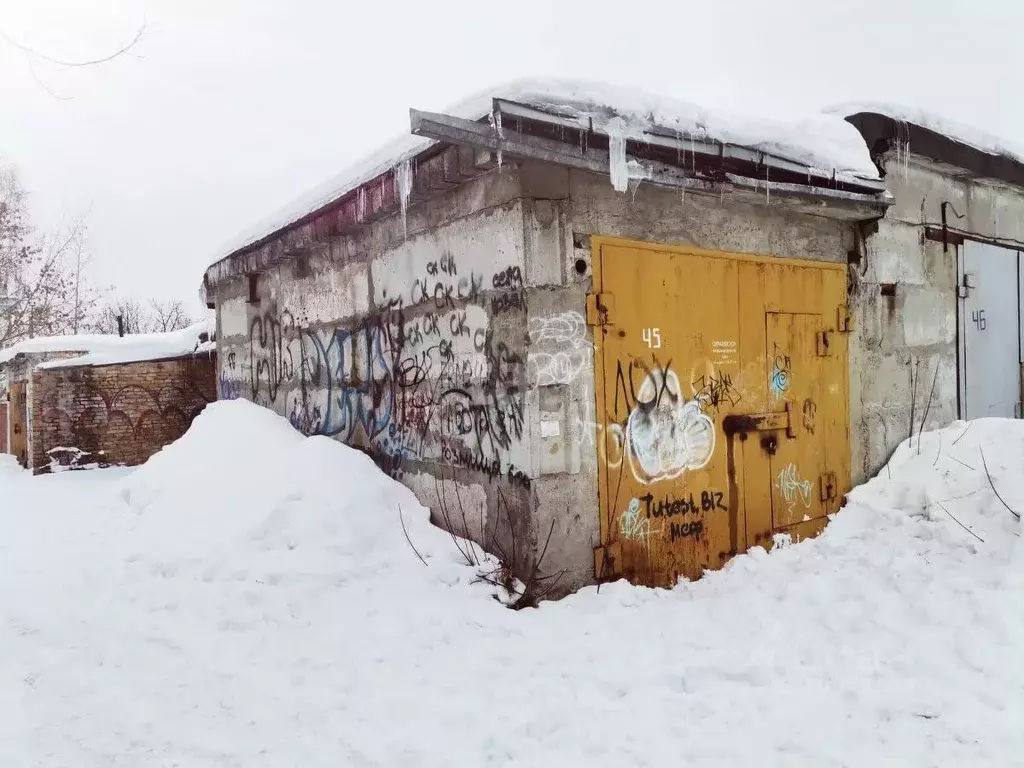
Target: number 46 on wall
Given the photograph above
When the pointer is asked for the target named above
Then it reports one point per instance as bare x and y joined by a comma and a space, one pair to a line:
651, 337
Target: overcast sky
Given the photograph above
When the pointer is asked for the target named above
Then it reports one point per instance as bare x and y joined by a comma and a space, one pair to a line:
228, 109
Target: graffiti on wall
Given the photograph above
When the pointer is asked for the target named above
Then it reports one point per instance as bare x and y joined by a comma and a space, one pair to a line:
778, 380
663, 435
635, 525
437, 372
560, 350
229, 379
793, 488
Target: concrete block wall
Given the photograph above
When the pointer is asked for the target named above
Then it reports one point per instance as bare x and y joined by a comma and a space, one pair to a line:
118, 414
904, 295
407, 340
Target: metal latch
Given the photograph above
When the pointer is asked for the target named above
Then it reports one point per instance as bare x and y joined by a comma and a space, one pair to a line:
761, 422
827, 484
844, 319
600, 309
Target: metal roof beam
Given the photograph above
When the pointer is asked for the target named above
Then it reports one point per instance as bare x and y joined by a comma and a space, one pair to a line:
456, 130
662, 137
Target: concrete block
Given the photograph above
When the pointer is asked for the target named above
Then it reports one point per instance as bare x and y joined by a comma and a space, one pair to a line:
995, 211
919, 188
896, 254
544, 228
708, 221
928, 317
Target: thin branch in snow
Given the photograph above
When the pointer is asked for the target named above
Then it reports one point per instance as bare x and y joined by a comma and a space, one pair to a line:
973, 469
913, 399
938, 453
960, 436
927, 408
940, 506
991, 483
406, 532
465, 522
547, 590
447, 519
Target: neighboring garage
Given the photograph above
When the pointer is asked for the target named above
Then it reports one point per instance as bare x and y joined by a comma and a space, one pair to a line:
605, 335
938, 292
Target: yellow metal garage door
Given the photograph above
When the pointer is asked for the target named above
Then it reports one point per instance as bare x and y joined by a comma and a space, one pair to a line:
722, 400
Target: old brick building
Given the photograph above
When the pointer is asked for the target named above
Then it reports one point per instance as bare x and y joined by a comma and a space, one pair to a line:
118, 403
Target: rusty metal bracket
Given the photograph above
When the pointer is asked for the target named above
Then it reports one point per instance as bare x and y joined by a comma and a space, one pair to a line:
845, 322
600, 309
827, 485
824, 339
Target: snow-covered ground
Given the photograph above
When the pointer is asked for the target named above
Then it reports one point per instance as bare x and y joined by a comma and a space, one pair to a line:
248, 598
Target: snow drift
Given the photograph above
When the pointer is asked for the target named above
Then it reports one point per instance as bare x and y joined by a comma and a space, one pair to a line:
248, 597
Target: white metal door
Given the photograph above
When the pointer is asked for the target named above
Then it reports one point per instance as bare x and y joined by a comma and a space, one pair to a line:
990, 329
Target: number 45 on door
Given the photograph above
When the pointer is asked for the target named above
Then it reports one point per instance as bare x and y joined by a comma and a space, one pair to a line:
651, 337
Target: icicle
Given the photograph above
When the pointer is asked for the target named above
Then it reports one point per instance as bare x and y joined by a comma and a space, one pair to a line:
403, 184
501, 135
618, 168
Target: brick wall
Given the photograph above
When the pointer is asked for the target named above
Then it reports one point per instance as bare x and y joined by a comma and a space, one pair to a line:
119, 414
3, 427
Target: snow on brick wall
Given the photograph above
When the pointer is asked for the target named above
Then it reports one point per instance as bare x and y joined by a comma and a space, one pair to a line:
119, 414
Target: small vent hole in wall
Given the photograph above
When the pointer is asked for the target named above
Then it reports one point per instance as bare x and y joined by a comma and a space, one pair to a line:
581, 266
887, 289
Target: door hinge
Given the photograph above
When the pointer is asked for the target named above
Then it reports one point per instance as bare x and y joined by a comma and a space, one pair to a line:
827, 484
964, 289
607, 561
844, 319
824, 340
600, 309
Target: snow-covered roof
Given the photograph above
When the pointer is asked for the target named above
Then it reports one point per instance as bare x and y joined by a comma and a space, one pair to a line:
965, 134
105, 349
817, 141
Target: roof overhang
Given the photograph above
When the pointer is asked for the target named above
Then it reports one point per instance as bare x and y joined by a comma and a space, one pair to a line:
521, 131
464, 149
883, 133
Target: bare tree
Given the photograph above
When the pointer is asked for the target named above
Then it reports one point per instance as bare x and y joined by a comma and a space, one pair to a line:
120, 314
43, 291
34, 56
154, 317
168, 315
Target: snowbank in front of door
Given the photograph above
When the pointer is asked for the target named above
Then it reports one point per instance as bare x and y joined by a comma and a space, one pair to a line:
248, 597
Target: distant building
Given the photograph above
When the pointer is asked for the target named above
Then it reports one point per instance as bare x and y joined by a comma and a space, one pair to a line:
103, 400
